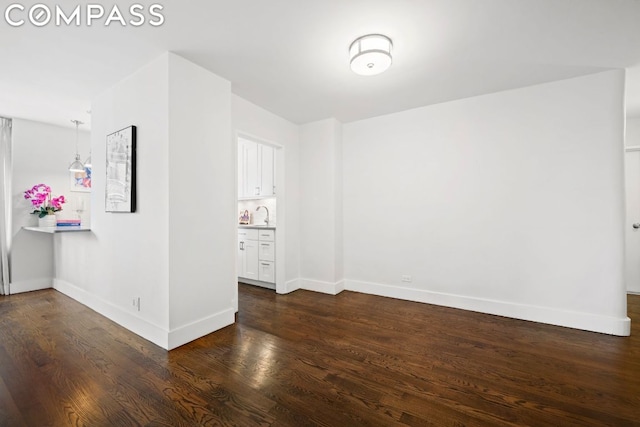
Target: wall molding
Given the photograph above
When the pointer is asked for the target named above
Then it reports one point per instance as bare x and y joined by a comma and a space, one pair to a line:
29, 285
124, 318
577, 320
322, 287
200, 328
291, 285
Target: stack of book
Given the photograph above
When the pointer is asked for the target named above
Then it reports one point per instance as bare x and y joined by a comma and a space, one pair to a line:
68, 223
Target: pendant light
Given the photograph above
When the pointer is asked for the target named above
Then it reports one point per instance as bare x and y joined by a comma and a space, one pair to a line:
370, 54
77, 165
87, 163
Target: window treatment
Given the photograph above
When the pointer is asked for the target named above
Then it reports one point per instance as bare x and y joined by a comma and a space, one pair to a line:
5, 203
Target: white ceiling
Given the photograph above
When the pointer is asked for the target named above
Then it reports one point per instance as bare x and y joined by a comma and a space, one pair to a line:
290, 56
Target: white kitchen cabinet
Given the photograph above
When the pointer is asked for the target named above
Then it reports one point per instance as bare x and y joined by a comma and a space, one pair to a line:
267, 251
267, 163
267, 271
248, 256
268, 235
256, 256
252, 168
256, 169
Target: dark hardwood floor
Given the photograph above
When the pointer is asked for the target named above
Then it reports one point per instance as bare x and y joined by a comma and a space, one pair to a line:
311, 359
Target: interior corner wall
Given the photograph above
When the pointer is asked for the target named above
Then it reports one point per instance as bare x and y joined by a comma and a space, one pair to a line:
510, 203
41, 154
253, 120
339, 217
321, 206
202, 203
176, 261
126, 255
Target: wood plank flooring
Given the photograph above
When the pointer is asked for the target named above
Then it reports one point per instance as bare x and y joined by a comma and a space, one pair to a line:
308, 359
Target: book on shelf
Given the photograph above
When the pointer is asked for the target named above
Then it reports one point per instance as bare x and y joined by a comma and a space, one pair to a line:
68, 223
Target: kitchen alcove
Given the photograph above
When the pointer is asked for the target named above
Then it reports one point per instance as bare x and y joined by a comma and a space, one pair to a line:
261, 194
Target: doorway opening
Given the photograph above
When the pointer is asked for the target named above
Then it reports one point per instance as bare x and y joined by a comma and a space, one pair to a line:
261, 212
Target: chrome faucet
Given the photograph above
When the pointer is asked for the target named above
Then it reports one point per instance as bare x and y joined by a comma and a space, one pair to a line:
266, 220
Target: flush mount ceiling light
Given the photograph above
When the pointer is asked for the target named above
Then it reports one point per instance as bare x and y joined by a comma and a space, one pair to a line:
77, 165
370, 54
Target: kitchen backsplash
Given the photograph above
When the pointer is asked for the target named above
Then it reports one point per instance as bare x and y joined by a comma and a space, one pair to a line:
257, 217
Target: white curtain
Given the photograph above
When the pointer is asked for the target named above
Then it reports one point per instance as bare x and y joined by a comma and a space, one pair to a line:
5, 203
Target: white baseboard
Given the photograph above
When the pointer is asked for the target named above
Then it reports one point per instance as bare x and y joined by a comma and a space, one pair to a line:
260, 283
30, 285
589, 322
290, 286
147, 330
320, 286
124, 318
200, 328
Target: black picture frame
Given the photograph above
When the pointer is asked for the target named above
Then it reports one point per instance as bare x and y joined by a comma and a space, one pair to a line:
120, 185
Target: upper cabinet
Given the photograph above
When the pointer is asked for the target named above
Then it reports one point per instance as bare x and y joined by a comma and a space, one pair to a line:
256, 166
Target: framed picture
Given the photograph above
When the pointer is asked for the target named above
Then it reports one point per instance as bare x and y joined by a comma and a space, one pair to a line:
120, 194
80, 181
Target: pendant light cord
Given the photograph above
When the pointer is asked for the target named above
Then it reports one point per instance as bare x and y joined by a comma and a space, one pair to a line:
78, 123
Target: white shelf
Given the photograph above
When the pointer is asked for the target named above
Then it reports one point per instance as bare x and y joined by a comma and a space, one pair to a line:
52, 230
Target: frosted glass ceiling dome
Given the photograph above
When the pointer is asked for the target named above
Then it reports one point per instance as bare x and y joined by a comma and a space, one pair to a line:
370, 54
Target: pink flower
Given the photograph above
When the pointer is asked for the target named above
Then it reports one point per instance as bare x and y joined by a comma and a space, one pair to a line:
40, 197
57, 202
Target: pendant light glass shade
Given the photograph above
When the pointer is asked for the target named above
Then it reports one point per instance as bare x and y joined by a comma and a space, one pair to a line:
87, 163
370, 54
76, 165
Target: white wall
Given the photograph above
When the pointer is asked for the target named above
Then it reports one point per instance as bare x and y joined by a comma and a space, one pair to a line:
126, 256
41, 154
256, 122
321, 206
632, 137
509, 203
202, 202
166, 252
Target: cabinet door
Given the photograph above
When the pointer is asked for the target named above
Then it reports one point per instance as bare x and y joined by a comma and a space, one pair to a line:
267, 160
241, 258
252, 174
267, 272
251, 259
267, 251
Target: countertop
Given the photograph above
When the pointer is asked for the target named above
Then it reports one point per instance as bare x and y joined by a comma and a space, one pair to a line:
52, 230
257, 226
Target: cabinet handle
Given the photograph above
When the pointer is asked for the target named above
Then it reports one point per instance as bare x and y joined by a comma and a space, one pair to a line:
265, 264
242, 246
257, 191
274, 189
265, 244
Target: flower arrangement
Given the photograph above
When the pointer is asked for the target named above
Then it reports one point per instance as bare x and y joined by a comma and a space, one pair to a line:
42, 202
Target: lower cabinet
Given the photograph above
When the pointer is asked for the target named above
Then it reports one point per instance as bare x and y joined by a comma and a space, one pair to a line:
266, 271
256, 255
248, 254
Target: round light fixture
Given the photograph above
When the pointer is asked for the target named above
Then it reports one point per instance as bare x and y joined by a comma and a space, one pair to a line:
370, 54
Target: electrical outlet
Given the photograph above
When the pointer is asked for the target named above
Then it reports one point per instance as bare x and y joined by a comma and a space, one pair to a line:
135, 302
138, 303
406, 278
